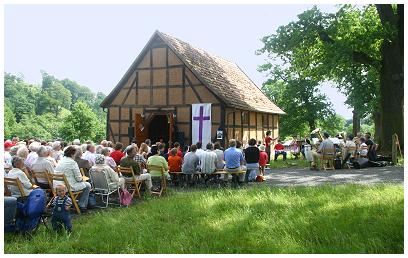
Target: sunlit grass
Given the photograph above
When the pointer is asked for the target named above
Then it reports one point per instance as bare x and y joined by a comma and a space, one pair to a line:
327, 219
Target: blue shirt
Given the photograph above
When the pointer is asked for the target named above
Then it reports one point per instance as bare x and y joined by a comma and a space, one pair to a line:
233, 157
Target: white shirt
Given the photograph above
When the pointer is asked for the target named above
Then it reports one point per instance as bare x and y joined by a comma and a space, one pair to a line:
199, 152
40, 165
57, 155
110, 162
26, 183
89, 156
69, 167
31, 158
7, 160
208, 161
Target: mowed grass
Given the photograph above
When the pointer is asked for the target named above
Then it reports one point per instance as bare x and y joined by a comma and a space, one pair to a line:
326, 219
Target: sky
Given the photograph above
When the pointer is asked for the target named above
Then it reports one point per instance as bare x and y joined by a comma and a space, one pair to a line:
94, 45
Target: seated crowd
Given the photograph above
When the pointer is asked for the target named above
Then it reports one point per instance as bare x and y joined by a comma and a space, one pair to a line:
245, 162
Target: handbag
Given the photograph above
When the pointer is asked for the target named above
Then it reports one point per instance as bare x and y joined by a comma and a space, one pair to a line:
125, 197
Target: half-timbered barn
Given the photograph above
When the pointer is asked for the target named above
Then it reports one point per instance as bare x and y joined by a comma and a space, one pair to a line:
155, 96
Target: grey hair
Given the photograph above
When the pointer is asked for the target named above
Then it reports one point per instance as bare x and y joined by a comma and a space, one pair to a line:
13, 150
15, 161
42, 151
34, 146
76, 142
78, 152
105, 151
83, 147
22, 152
56, 144
98, 149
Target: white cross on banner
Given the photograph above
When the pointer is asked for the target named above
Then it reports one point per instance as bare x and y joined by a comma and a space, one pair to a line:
201, 123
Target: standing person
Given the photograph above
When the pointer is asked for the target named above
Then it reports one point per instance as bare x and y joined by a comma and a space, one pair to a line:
252, 160
70, 169
129, 161
268, 142
220, 155
234, 161
263, 158
60, 213
89, 154
117, 154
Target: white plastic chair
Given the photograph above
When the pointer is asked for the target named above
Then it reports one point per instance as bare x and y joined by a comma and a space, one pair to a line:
102, 187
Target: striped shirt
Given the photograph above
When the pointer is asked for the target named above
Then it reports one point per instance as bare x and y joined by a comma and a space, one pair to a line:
208, 161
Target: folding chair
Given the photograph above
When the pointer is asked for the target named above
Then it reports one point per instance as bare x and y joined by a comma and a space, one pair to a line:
327, 159
46, 183
163, 179
101, 185
130, 179
14, 182
73, 195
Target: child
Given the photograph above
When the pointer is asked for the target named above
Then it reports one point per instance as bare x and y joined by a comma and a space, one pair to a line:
263, 158
60, 213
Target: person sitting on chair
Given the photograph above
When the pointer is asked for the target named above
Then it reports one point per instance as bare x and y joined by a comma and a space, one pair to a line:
349, 149
372, 148
234, 161
326, 144
129, 161
112, 177
190, 163
280, 150
295, 150
363, 150
17, 172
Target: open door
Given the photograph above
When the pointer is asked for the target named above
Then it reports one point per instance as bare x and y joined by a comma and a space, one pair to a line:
141, 130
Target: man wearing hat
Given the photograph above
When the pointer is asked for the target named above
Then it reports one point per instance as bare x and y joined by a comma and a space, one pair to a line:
7, 157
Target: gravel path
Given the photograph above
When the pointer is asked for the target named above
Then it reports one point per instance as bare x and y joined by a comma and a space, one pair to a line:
307, 177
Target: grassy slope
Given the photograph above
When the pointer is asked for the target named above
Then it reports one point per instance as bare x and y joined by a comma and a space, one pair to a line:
328, 219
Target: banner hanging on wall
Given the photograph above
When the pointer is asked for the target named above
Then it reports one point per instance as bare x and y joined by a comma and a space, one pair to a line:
201, 123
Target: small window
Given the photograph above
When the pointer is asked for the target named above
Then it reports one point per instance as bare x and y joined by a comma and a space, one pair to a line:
245, 117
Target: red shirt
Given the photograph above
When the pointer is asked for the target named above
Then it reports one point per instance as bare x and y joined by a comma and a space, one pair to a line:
267, 141
179, 153
279, 146
117, 155
263, 158
174, 163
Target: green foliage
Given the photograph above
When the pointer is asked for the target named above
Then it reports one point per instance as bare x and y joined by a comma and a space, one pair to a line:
82, 123
303, 103
45, 127
333, 125
39, 111
9, 120
343, 48
326, 219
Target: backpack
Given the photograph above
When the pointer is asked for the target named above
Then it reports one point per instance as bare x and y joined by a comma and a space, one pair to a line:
29, 212
125, 197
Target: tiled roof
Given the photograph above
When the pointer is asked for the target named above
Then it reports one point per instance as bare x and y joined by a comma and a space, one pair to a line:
224, 78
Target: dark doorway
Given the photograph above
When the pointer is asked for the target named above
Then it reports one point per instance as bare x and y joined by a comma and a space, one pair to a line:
159, 129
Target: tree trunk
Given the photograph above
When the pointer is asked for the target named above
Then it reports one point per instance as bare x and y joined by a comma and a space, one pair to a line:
356, 122
312, 125
377, 128
391, 80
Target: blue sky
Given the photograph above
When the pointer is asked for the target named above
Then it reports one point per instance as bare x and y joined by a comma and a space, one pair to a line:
95, 44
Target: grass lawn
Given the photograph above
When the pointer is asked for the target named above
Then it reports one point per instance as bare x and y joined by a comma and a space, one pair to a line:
327, 219
289, 162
